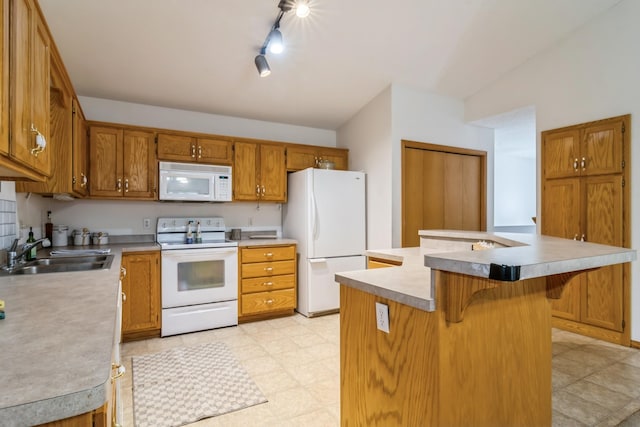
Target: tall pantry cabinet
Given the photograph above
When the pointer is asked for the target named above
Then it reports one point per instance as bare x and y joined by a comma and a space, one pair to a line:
586, 196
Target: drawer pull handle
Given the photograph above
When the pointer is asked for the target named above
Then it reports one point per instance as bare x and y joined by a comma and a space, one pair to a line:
267, 284
268, 269
120, 371
575, 164
268, 255
269, 301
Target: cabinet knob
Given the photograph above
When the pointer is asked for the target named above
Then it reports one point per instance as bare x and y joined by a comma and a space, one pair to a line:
126, 185
583, 163
41, 142
123, 272
575, 164
193, 151
575, 237
199, 152
582, 238
124, 296
267, 284
119, 184
257, 190
263, 191
120, 371
84, 180
268, 255
269, 301
269, 269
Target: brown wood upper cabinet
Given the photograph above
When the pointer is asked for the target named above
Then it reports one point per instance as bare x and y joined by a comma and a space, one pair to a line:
67, 141
122, 163
591, 150
259, 172
185, 148
4, 77
306, 156
29, 87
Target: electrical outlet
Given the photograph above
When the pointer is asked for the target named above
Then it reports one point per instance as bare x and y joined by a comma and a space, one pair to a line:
146, 223
382, 317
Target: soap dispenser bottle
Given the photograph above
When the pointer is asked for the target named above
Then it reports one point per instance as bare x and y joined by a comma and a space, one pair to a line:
189, 233
198, 233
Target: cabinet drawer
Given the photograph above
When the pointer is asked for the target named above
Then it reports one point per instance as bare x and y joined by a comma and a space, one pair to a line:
275, 268
272, 253
268, 301
261, 284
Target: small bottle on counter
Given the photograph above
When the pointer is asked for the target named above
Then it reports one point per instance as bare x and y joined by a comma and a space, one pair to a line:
189, 233
33, 251
48, 227
198, 233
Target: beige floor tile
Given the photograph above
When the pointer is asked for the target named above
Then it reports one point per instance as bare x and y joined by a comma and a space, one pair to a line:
561, 347
571, 367
633, 359
609, 350
561, 420
622, 417
277, 345
585, 358
324, 350
275, 381
619, 377
292, 402
320, 418
326, 392
260, 365
577, 408
249, 351
309, 340
612, 400
560, 379
310, 373
295, 357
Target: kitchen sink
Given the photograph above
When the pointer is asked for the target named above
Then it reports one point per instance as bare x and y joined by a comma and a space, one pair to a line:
62, 264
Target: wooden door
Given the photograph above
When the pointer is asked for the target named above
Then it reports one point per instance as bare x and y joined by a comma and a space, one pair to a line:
245, 171
602, 295
105, 161
40, 102
177, 148
339, 157
299, 158
80, 174
141, 285
214, 151
273, 173
140, 168
601, 148
441, 189
561, 153
561, 217
4, 76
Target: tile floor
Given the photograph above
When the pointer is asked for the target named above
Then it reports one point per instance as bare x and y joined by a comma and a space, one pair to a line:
296, 363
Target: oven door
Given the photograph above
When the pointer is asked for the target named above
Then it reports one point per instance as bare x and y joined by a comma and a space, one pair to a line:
199, 276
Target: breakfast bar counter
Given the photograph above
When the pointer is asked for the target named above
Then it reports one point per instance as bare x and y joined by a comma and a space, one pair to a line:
469, 332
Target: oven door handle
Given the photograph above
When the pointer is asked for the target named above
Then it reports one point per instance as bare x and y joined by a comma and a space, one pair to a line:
204, 254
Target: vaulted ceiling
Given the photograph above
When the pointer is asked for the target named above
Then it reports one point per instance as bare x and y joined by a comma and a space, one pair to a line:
198, 54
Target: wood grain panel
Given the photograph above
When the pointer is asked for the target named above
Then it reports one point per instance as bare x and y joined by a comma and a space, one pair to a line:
387, 379
268, 301
105, 161
4, 76
561, 154
299, 158
141, 285
214, 151
259, 269
245, 171
40, 93
601, 150
413, 182
472, 202
273, 172
177, 148
561, 208
262, 284
268, 253
139, 164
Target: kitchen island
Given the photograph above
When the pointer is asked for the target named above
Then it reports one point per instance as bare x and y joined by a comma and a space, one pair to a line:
469, 339
57, 341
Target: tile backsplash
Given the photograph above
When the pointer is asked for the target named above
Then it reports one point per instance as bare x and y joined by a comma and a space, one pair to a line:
8, 229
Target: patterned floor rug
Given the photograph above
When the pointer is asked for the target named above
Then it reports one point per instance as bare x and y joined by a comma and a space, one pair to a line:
186, 384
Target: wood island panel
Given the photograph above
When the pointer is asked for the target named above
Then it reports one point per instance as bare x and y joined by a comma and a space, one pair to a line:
492, 368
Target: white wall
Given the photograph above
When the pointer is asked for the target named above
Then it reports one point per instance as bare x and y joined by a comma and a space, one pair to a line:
425, 117
591, 75
367, 135
374, 138
106, 110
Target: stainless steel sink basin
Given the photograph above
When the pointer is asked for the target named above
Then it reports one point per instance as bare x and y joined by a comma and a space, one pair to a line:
62, 264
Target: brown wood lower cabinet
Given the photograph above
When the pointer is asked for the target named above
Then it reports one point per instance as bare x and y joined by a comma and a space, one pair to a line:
141, 288
373, 262
268, 280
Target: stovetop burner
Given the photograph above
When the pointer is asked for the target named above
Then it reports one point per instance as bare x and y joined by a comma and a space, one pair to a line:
172, 233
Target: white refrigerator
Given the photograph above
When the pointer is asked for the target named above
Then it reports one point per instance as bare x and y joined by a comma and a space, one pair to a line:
325, 213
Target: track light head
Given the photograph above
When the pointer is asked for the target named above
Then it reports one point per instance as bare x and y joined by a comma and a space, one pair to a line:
262, 65
302, 8
275, 41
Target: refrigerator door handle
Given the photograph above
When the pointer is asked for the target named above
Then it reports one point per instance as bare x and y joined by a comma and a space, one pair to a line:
317, 260
314, 215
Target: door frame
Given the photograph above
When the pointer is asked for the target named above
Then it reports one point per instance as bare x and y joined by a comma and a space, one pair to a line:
407, 144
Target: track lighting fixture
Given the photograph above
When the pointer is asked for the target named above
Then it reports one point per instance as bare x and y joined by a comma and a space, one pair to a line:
274, 39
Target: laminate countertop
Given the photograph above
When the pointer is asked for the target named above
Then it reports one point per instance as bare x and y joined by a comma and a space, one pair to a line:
57, 340
528, 255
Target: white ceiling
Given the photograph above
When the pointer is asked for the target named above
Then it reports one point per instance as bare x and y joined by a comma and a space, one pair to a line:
198, 54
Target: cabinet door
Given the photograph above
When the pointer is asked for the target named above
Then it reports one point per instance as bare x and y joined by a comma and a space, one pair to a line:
601, 149
139, 165
561, 154
299, 158
105, 162
602, 297
340, 158
4, 76
216, 151
561, 218
178, 148
141, 286
30, 85
245, 179
80, 173
273, 173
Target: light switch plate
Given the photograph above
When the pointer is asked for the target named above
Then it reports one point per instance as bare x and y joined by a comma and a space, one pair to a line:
382, 317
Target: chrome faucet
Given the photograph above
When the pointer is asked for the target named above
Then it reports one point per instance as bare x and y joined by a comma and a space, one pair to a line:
13, 257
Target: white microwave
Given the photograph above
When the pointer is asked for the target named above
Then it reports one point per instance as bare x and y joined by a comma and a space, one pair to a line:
195, 182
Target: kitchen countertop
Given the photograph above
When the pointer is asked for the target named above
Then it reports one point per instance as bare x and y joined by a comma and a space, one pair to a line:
448, 250
57, 340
